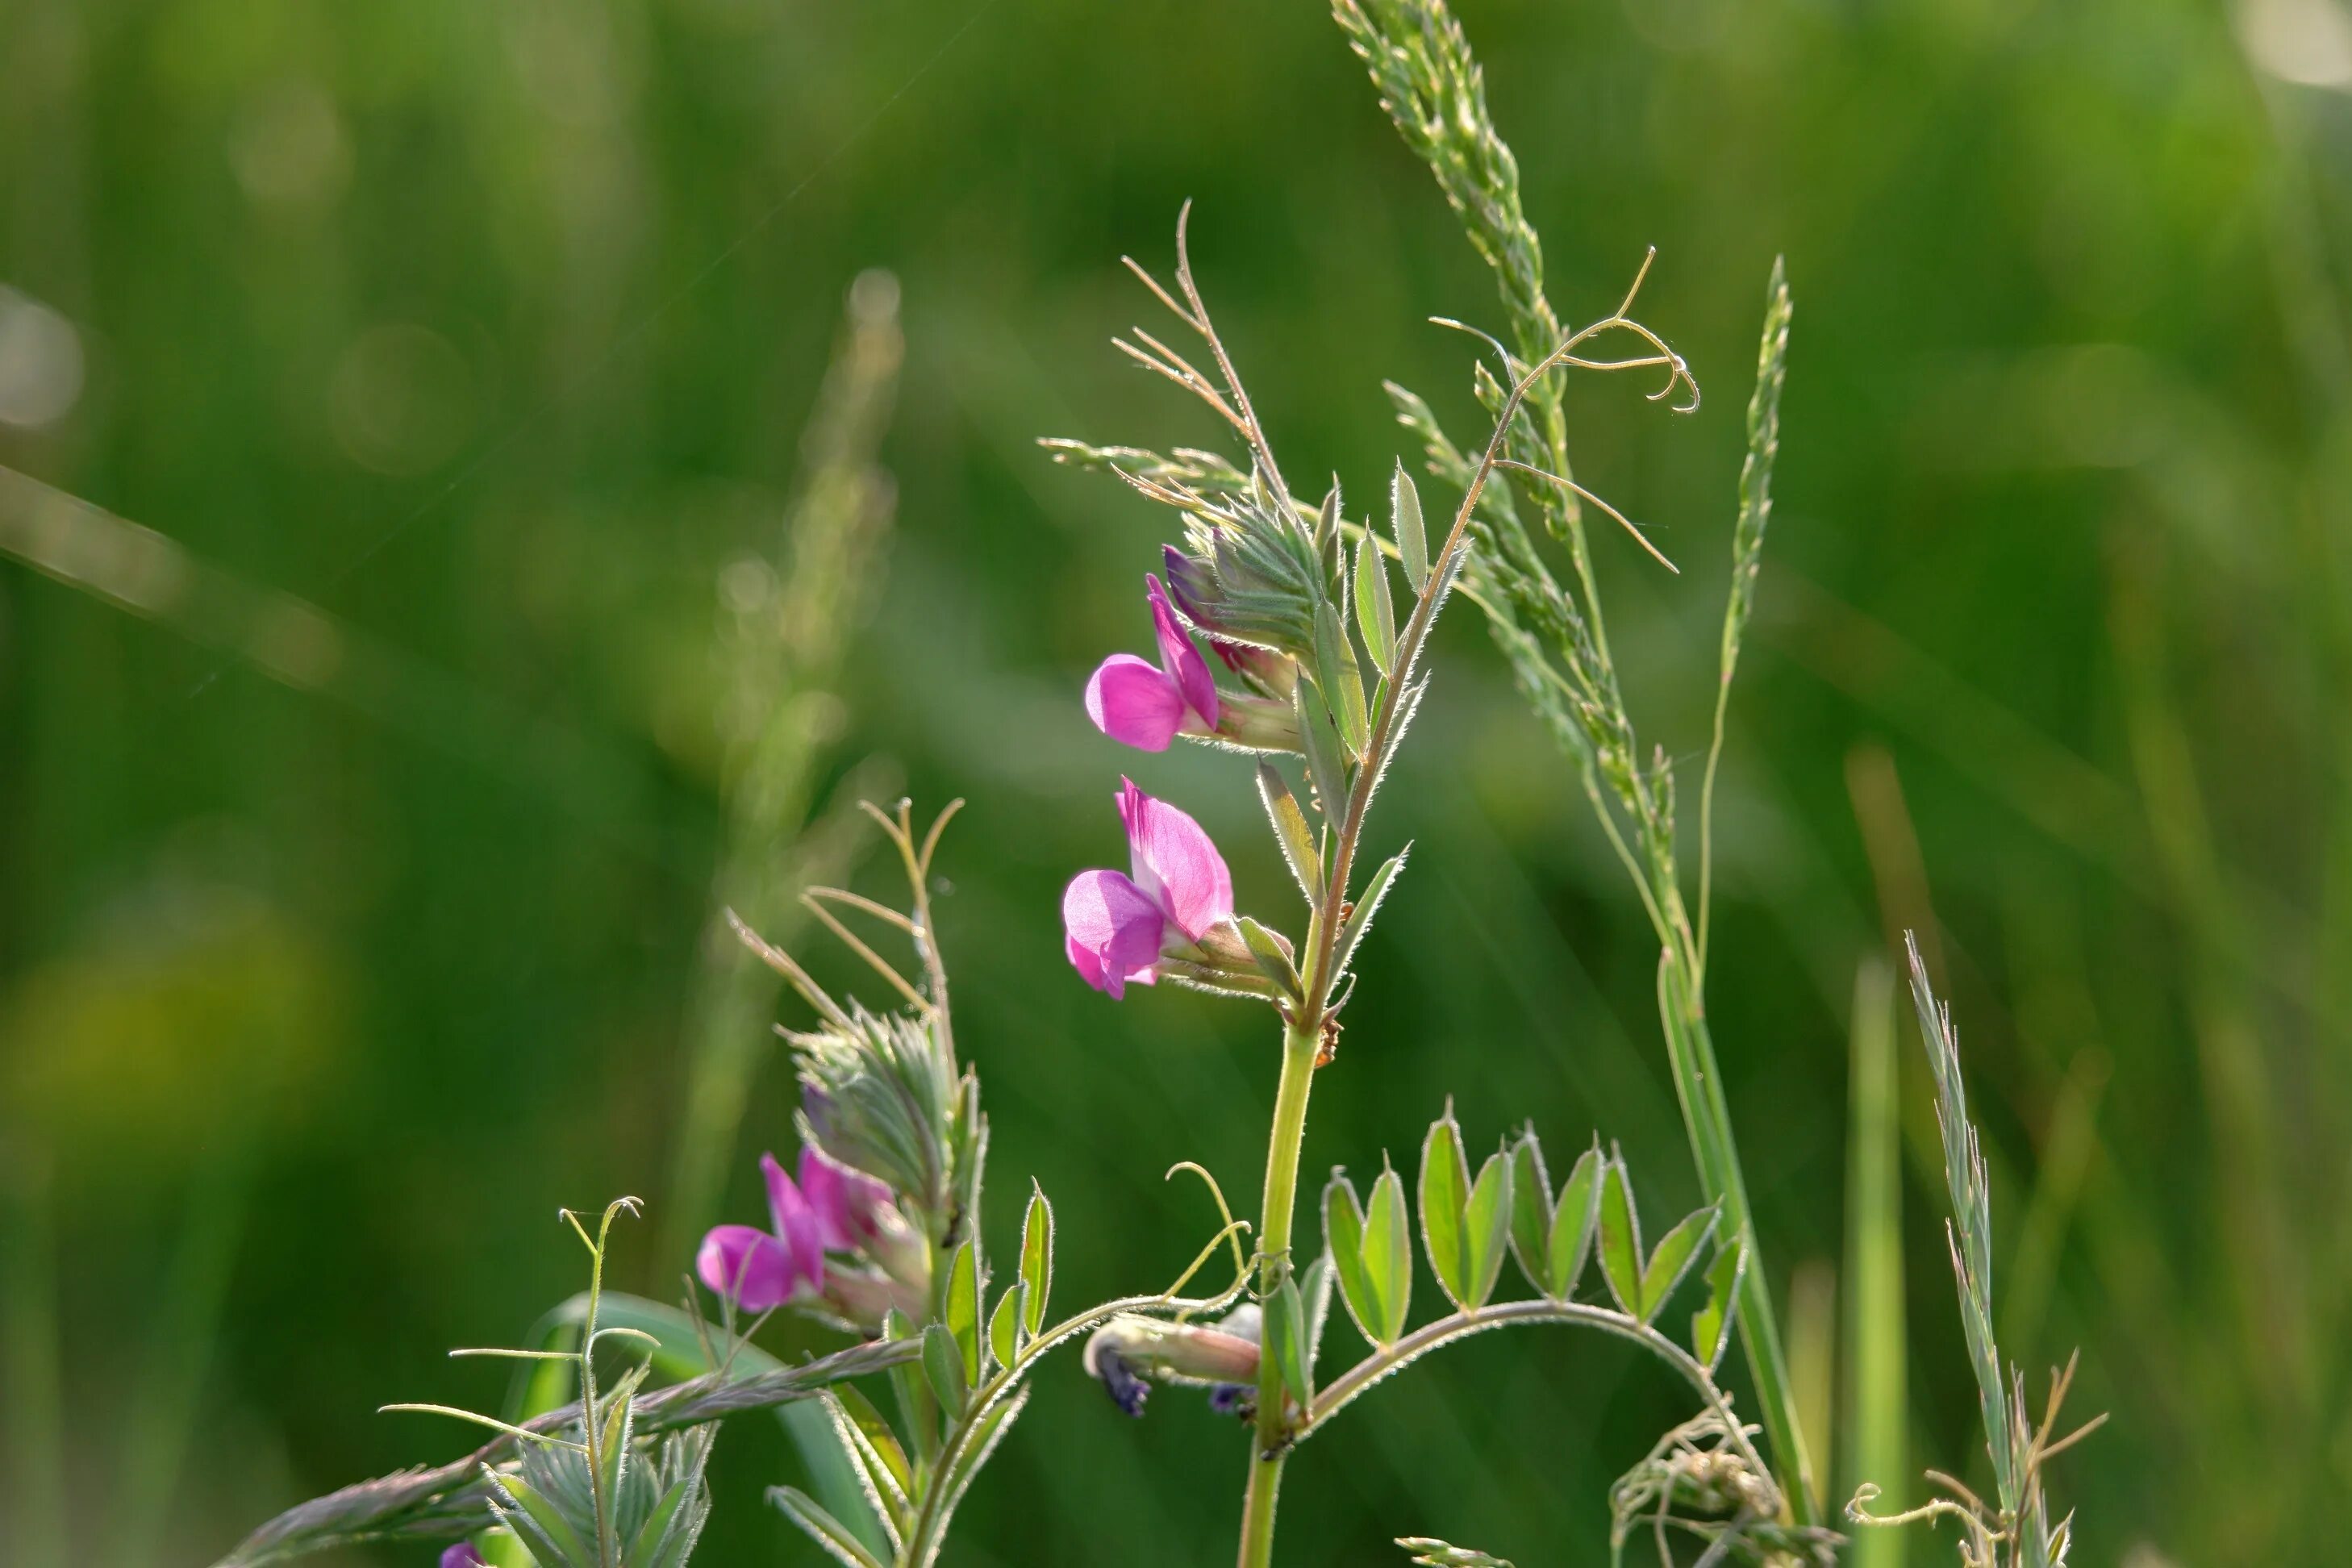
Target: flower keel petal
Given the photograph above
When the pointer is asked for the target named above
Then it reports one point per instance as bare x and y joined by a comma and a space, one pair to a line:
1113, 930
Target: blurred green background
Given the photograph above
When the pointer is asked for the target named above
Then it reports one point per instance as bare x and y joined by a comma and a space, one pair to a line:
490, 329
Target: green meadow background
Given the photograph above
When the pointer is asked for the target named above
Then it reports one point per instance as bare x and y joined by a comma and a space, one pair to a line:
489, 328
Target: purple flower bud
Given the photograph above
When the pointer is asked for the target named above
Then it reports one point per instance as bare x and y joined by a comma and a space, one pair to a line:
1189, 584
463, 1555
1189, 589
1117, 926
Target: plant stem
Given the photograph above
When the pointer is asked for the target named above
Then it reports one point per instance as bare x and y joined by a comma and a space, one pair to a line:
1345, 1389
1690, 1051
1301, 1039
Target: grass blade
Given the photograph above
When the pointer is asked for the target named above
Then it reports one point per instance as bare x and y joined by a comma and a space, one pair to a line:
1877, 1392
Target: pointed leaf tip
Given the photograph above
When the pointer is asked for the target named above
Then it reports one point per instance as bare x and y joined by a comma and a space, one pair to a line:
1404, 521
1444, 1194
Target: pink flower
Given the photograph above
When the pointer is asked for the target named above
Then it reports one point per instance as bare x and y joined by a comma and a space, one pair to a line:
1119, 926
462, 1555
1146, 706
759, 1269
848, 1203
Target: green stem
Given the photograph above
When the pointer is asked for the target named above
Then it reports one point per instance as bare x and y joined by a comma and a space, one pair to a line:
1698, 1084
1380, 1363
1301, 1040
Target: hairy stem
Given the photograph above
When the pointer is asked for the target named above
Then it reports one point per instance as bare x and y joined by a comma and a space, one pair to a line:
1301, 1039
1350, 1384
1303, 1034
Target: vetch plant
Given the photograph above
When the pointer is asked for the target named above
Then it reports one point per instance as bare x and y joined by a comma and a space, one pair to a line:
875, 1231
1305, 602
1294, 635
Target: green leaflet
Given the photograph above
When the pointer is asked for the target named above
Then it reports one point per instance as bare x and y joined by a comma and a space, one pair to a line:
656, 1545
875, 1434
1036, 1257
1621, 1240
1531, 1210
1360, 916
1375, 613
1573, 1221
1485, 1229
540, 1522
1342, 681
961, 1307
918, 1410
1314, 1287
1291, 831
1673, 1258
1388, 1257
1271, 961
1343, 1244
1445, 1192
1711, 1324
1326, 764
943, 1366
1285, 1340
1004, 1333
822, 1526
1404, 521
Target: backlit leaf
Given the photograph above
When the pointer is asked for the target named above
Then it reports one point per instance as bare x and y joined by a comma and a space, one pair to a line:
1404, 521
1036, 1258
1445, 1192
1375, 614
1621, 1240
1676, 1252
1573, 1219
961, 1307
1388, 1256
1530, 1210
1487, 1228
1711, 1324
1292, 832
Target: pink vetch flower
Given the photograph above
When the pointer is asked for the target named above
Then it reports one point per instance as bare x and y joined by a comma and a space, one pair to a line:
1119, 926
759, 1270
849, 1203
1146, 706
462, 1555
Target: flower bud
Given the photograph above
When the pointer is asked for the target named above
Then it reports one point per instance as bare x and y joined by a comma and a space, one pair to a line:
1270, 673
1128, 1350
877, 1096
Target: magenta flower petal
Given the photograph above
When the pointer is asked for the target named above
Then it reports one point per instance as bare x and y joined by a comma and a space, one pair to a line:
847, 1202
1133, 701
1175, 865
462, 1555
747, 1265
1180, 658
797, 1225
1113, 929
